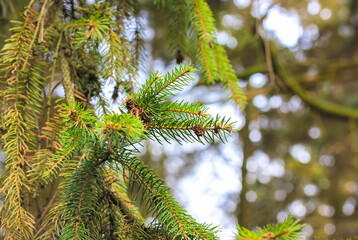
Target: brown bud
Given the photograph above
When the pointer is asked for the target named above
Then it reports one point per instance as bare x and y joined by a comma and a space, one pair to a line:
179, 57
199, 130
73, 114
129, 103
115, 93
217, 127
269, 235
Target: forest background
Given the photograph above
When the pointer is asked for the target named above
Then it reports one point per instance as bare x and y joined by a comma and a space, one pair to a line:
296, 152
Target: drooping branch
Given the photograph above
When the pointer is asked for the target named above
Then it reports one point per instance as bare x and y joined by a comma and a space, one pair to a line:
41, 19
202, 23
165, 209
205, 59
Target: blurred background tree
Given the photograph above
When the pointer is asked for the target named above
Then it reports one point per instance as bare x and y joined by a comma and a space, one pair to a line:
296, 152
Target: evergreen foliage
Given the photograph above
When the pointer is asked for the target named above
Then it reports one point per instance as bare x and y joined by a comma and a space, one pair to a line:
288, 229
91, 149
193, 19
69, 172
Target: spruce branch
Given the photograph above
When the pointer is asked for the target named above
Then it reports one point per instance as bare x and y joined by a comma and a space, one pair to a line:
90, 44
131, 227
112, 57
183, 73
159, 87
211, 57
82, 191
75, 136
205, 56
171, 217
178, 28
51, 227
228, 76
138, 41
204, 25
199, 130
190, 129
149, 101
39, 26
115, 128
289, 229
185, 110
236, 91
118, 192
18, 222
179, 121
153, 77
94, 28
22, 88
204, 21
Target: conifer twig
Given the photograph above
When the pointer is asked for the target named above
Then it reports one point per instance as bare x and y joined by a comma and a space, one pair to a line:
154, 192
150, 84
39, 23
217, 128
205, 58
173, 80
237, 99
206, 34
189, 112
59, 161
